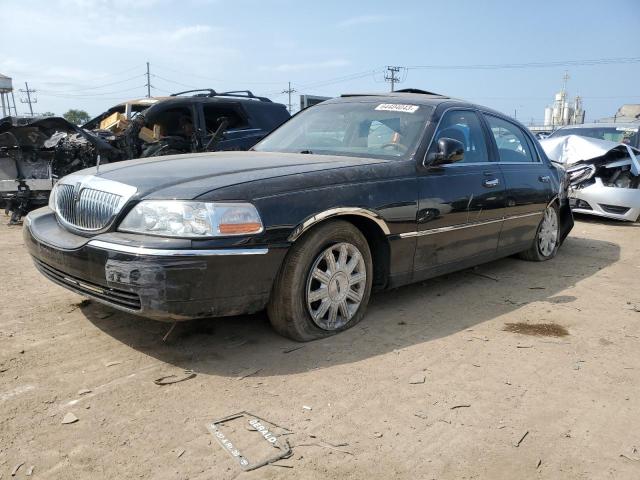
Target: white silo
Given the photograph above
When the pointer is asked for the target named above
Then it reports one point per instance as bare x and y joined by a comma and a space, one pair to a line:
6, 95
566, 113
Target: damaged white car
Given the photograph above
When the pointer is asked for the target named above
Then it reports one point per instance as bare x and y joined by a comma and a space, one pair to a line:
604, 175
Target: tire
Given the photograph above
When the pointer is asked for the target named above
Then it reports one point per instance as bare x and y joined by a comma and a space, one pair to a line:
305, 283
548, 231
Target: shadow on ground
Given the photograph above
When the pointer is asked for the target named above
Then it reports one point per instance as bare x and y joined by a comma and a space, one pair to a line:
396, 319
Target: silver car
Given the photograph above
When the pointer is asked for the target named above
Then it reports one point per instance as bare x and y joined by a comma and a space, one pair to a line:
604, 173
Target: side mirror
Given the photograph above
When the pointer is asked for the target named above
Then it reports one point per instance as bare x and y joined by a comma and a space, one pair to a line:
449, 151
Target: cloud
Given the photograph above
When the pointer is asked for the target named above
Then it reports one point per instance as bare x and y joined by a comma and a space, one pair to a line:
364, 20
295, 67
183, 32
110, 4
141, 40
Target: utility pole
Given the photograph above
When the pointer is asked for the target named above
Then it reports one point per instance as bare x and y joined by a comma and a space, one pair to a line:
289, 91
28, 100
392, 76
148, 82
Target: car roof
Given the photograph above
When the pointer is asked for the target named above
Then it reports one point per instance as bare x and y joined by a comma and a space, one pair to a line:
148, 101
151, 101
420, 97
417, 97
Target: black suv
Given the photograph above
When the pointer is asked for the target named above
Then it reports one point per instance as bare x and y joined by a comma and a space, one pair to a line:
359, 192
35, 152
190, 122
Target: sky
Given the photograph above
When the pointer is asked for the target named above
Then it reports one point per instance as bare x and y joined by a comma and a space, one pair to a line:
92, 54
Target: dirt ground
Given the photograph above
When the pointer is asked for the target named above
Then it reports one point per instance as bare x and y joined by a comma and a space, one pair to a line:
440, 381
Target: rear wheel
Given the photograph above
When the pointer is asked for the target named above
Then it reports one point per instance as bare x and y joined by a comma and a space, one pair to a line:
324, 284
547, 241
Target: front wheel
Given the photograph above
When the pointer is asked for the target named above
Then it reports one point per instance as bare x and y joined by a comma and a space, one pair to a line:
547, 241
324, 284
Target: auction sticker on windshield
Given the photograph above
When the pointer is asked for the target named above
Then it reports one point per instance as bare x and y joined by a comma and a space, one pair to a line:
397, 107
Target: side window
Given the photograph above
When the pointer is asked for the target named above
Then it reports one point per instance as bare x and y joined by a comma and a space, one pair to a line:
511, 141
464, 126
177, 121
213, 115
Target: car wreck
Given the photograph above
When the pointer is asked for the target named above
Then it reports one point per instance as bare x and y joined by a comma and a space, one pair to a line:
35, 152
604, 175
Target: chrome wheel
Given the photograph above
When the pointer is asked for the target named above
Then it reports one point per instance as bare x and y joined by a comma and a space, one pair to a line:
336, 285
548, 235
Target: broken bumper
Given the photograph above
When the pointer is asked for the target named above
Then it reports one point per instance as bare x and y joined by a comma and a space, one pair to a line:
611, 202
162, 280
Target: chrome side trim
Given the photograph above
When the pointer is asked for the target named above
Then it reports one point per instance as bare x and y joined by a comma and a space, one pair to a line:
555, 197
451, 228
448, 228
162, 252
336, 212
524, 215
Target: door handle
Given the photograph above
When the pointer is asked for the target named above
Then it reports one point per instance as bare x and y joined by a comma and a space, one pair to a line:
544, 178
494, 182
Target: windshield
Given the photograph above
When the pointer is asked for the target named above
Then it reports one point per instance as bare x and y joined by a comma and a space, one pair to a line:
378, 130
627, 135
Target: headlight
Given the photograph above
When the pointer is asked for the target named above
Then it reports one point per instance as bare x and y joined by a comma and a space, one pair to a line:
175, 218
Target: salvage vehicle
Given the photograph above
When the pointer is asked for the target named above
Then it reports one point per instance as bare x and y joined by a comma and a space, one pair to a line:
626, 133
358, 193
34, 152
604, 175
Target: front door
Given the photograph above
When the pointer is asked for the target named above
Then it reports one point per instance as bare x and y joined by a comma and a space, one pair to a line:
461, 204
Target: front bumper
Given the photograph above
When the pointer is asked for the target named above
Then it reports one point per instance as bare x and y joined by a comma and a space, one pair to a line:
611, 202
155, 280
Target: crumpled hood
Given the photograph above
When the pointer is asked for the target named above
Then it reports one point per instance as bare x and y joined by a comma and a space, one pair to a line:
573, 149
191, 175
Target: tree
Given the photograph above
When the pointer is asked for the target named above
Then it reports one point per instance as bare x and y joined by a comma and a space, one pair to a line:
77, 117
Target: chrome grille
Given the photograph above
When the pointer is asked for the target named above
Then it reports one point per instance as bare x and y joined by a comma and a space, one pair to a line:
85, 208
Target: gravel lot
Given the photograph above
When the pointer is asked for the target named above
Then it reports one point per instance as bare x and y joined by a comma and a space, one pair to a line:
478, 385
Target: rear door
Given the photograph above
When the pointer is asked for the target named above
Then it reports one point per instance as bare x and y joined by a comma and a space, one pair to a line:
529, 184
461, 204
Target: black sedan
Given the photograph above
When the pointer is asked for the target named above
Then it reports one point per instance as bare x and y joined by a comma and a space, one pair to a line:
358, 193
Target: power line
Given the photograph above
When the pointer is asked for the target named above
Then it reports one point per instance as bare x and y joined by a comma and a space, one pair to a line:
154, 75
163, 90
49, 93
344, 78
563, 63
97, 87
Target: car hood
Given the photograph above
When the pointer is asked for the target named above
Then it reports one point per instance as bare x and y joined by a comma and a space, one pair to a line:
192, 175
